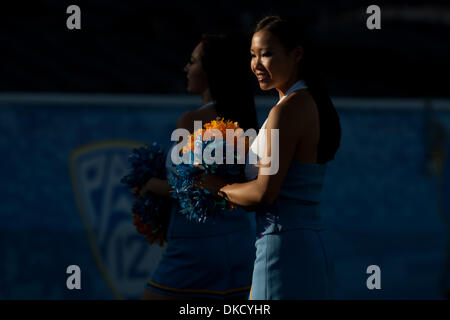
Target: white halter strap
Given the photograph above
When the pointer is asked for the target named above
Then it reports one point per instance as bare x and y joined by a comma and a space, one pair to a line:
296, 86
259, 144
211, 103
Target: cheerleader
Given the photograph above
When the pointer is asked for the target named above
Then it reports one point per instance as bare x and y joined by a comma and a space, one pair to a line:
292, 261
212, 259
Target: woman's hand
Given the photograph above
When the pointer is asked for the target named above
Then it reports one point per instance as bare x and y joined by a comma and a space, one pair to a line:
156, 186
148, 187
211, 183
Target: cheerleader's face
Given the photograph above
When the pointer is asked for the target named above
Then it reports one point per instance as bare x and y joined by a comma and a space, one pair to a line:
196, 77
273, 65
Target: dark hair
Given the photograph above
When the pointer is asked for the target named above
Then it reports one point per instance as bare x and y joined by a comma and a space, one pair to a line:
226, 64
292, 35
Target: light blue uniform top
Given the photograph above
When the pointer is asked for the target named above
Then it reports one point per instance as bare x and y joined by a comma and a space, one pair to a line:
297, 205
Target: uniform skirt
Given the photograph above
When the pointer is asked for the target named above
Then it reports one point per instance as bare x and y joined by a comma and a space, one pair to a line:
292, 260
213, 260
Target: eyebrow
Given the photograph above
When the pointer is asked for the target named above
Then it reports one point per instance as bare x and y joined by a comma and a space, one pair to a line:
266, 48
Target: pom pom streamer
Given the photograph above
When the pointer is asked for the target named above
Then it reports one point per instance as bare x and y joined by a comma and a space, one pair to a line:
150, 212
197, 204
146, 162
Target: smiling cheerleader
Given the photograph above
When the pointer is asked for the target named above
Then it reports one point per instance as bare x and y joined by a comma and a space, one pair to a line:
291, 257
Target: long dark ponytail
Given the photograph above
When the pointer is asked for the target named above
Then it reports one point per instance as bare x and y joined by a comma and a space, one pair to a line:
292, 35
225, 60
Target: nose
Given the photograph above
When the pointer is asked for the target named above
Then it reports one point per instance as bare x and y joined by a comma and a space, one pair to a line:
256, 64
186, 68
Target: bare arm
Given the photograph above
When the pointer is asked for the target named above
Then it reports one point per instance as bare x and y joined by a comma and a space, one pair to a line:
161, 187
295, 122
156, 186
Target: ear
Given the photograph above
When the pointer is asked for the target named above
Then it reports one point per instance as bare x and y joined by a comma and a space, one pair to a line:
298, 53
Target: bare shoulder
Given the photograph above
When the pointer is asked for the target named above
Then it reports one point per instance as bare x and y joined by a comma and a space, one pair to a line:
298, 107
299, 104
186, 121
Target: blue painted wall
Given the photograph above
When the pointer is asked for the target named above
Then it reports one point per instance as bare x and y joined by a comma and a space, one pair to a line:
61, 203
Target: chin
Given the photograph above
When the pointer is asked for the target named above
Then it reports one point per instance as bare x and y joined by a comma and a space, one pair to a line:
265, 86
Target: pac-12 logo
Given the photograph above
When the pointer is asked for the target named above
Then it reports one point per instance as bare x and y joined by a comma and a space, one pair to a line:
124, 257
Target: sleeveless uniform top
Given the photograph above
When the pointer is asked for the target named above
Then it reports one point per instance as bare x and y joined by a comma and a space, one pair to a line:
297, 203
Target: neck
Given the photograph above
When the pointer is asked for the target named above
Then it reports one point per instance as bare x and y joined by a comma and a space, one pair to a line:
206, 96
285, 87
